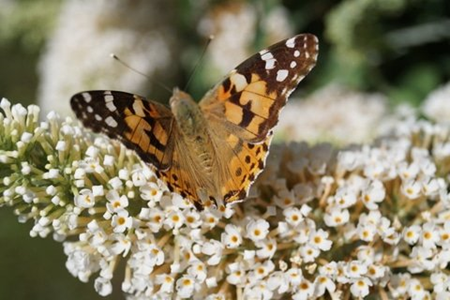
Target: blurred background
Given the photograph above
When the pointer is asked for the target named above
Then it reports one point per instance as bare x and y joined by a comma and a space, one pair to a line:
375, 56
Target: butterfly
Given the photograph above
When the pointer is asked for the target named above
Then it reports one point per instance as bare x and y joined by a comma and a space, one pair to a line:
211, 151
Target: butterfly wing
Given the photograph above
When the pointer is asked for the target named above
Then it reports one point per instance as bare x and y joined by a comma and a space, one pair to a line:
244, 107
249, 99
143, 126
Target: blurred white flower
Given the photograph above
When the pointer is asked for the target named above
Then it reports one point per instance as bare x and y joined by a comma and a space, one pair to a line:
331, 114
437, 105
87, 32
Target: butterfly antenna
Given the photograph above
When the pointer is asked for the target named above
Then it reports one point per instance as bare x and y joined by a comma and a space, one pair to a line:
210, 38
140, 73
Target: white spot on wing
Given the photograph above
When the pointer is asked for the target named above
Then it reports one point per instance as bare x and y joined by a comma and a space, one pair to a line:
307, 54
293, 64
290, 43
87, 97
110, 105
239, 81
269, 59
98, 117
282, 75
111, 122
296, 53
266, 55
90, 109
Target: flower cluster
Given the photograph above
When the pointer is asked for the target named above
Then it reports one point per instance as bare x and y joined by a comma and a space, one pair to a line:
324, 115
87, 33
224, 19
319, 222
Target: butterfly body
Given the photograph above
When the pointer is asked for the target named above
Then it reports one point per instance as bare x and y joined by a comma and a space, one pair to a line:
193, 127
211, 151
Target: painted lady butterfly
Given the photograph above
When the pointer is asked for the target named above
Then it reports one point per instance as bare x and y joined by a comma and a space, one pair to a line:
213, 150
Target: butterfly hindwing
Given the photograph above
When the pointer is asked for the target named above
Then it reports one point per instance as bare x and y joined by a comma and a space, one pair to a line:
245, 164
143, 126
249, 99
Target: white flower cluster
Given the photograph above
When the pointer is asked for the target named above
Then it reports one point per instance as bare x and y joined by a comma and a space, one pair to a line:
437, 105
87, 32
330, 113
369, 220
228, 49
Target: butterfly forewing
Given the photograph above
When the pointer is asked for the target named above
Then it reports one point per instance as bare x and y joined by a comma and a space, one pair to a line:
249, 99
143, 126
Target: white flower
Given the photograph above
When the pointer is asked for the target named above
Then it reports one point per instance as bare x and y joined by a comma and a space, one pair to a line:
305, 290
319, 239
236, 274
376, 272
294, 276
151, 192
115, 182
411, 189
430, 186
198, 271
175, 219
349, 160
115, 202
411, 234
366, 232
260, 271
121, 245
373, 194
436, 105
400, 283
323, 283
166, 281
329, 270
257, 291
293, 216
231, 238
309, 253
138, 178
103, 286
85, 199
215, 297
192, 218
416, 289
355, 269
284, 198
214, 249
440, 281
277, 281
121, 221
444, 236
267, 248
344, 198
421, 259
209, 219
360, 287
336, 217
430, 235
257, 230
408, 172
185, 286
